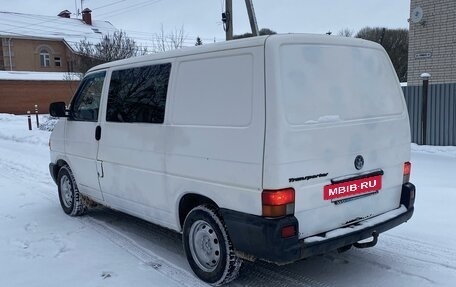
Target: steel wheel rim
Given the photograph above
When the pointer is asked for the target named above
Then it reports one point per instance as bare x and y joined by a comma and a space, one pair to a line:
67, 191
204, 246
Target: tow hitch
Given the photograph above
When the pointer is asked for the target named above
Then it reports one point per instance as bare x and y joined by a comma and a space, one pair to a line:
368, 244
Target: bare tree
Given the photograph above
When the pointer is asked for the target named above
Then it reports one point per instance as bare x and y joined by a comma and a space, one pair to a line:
346, 32
112, 47
166, 41
395, 42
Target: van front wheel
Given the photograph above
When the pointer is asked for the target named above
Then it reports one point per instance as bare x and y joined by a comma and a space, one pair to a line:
70, 198
208, 247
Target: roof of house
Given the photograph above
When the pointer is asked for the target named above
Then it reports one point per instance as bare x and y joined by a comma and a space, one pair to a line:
71, 30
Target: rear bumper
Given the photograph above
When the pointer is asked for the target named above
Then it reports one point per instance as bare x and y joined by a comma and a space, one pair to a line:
260, 237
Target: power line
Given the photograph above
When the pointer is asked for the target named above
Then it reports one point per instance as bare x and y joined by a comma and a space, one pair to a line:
108, 5
63, 30
136, 35
150, 44
130, 8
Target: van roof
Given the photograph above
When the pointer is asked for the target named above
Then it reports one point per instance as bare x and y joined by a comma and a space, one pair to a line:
241, 43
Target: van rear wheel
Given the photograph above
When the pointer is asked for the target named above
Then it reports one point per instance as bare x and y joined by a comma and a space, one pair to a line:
69, 196
208, 247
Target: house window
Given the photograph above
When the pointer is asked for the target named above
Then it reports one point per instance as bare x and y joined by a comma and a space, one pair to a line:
57, 61
45, 58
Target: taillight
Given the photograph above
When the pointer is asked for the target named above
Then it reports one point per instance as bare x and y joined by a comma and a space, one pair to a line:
277, 203
407, 170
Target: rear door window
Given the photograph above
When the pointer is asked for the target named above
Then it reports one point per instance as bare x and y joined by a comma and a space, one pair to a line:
337, 83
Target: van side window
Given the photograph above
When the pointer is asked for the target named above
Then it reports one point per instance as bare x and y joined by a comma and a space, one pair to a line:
138, 95
86, 104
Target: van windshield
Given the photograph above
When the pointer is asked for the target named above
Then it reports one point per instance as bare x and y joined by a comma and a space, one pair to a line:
337, 83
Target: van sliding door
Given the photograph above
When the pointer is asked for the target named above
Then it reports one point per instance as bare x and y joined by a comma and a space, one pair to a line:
133, 141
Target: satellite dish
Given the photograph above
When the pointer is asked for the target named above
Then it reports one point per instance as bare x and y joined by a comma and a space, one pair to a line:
417, 15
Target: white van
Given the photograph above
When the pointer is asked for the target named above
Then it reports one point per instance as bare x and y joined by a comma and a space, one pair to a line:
274, 148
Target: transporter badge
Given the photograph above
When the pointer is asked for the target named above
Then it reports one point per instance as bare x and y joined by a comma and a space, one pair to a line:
359, 162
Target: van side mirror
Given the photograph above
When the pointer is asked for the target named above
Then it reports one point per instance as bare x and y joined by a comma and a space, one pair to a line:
58, 109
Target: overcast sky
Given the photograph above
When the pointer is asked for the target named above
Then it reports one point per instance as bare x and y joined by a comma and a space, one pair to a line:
142, 18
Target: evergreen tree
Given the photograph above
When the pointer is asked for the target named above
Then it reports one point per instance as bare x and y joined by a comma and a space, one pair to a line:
262, 32
395, 42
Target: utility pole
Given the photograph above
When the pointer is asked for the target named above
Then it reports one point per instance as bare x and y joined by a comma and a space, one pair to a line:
227, 19
76, 11
252, 17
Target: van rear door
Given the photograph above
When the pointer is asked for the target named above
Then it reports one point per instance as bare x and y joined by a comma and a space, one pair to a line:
335, 113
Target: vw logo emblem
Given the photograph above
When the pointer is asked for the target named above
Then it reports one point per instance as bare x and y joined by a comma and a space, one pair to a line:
359, 162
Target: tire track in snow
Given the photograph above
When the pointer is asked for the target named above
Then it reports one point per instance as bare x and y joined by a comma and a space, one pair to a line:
273, 275
414, 255
252, 274
23, 173
419, 251
257, 277
143, 229
379, 264
12, 165
184, 278
144, 255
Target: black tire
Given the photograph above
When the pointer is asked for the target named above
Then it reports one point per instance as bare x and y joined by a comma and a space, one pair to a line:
70, 198
216, 264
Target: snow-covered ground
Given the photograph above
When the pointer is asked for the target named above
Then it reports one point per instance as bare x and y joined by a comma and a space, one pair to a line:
41, 246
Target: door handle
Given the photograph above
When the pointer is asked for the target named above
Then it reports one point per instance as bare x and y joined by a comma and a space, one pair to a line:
98, 133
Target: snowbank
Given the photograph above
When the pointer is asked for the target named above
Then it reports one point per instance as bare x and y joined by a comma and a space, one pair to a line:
436, 150
38, 76
15, 128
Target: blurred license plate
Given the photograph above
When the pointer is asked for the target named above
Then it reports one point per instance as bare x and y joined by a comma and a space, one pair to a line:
352, 187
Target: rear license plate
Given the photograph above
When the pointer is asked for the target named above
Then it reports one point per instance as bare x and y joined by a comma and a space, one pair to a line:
352, 187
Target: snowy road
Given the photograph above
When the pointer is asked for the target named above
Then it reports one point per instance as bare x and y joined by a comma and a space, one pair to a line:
41, 246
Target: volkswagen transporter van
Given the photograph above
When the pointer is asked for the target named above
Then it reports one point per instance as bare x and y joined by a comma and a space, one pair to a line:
273, 148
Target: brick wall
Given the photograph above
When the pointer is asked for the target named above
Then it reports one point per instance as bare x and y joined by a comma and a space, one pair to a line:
432, 47
17, 97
